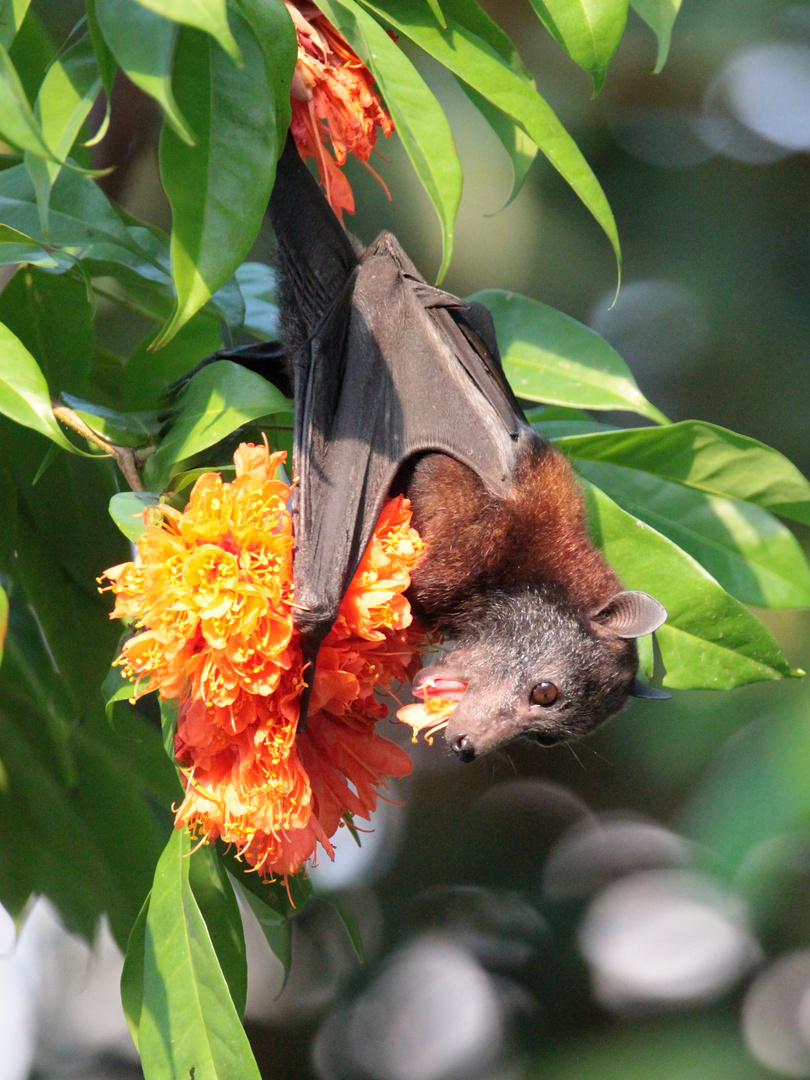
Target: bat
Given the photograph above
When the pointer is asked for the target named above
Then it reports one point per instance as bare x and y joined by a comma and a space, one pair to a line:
399, 388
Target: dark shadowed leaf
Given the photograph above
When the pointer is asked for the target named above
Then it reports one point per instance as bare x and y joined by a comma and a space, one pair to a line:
132, 973
274, 926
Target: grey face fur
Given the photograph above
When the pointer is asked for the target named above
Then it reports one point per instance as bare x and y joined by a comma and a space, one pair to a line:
523, 642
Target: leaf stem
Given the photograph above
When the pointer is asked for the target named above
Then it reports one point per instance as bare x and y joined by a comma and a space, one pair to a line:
126, 458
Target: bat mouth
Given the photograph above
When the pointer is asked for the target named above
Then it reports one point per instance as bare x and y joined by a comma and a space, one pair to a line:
436, 686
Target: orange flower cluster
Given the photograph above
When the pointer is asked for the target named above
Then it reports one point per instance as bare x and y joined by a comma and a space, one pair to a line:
211, 594
334, 100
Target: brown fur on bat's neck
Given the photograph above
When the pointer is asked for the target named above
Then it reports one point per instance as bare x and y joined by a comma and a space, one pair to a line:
476, 542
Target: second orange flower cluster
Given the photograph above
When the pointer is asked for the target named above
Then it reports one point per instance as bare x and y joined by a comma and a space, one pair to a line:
211, 595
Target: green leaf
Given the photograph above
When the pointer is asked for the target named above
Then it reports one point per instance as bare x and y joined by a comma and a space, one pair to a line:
115, 688
521, 149
104, 58
143, 43
258, 285
127, 511
168, 726
53, 319
548, 356
588, 30
218, 399
274, 926
474, 61
710, 640
66, 96
208, 15
132, 973
88, 842
746, 549
3, 620
18, 125
82, 221
219, 188
660, 16
121, 429
24, 395
705, 457
419, 119
188, 1022
31, 51
148, 375
215, 898
12, 13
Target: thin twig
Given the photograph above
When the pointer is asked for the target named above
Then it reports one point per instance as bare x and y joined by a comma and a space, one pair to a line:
125, 456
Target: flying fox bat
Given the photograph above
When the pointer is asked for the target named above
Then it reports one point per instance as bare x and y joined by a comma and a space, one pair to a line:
399, 387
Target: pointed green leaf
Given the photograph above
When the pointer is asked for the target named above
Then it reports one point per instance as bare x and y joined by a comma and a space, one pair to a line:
258, 285
548, 356
588, 30
143, 43
24, 395
705, 457
115, 688
122, 429
3, 620
274, 926
208, 15
475, 62
188, 1024
104, 58
216, 401
127, 510
219, 188
660, 16
148, 375
12, 13
132, 973
18, 125
215, 898
419, 119
710, 640
66, 96
521, 149
746, 549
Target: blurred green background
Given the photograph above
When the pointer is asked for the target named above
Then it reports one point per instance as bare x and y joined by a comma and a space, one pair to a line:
636, 905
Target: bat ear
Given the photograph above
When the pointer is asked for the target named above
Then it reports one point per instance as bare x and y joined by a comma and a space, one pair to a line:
630, 614
641, 689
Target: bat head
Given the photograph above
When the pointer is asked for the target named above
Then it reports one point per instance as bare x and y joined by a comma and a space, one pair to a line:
535, 668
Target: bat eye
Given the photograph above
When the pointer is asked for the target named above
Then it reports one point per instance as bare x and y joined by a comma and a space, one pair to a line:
545, 693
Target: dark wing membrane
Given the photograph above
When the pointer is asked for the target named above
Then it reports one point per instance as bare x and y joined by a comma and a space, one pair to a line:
396, 368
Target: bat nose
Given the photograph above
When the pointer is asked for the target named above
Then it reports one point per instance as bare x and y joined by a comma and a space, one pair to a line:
463, 746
